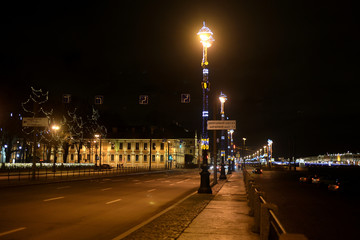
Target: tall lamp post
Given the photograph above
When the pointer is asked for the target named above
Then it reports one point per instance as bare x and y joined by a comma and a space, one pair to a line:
98, 136
56, 128
206, 39
244, 144
222, 99
270, 142
232, 161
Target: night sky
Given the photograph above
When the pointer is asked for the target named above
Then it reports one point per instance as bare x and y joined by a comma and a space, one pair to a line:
289, 68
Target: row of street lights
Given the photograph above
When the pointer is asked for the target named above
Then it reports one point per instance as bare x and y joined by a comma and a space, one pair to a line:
264, 153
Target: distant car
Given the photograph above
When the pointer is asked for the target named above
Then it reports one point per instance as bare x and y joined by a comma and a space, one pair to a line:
105, 166
257, 170
334, 186
315, 179
307, 179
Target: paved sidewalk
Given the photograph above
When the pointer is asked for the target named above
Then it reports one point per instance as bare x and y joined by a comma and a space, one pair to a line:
225, 217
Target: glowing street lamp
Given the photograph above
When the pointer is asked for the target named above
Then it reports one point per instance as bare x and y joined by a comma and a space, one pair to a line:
231, 160
206, 39
222, 99
98, 136
56, 128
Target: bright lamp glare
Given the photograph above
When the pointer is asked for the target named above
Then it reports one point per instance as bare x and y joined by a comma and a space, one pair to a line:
205, 36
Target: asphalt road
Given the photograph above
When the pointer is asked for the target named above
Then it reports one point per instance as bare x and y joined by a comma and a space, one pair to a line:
310, 210
91, 209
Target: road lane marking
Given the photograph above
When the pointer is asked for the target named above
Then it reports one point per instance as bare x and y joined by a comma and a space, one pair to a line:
171, 184
12, 231
151, 190
114, 201
131, 230
105, 189
52, 199
63, 187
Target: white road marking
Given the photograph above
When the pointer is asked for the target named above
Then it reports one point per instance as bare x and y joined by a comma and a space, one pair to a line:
106, 189
63, 187
12, 231
52, 199
183, 181
117, 200
151, 190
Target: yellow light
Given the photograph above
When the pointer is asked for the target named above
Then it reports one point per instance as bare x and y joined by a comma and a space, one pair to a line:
97, 135
204, 36
222, 99
55, 127
206, 44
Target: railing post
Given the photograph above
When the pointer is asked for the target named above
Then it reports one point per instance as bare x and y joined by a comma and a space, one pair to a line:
257, 211
251, 196
265, 219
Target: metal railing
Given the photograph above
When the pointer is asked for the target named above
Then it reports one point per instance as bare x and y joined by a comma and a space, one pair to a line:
266, 222
18, 175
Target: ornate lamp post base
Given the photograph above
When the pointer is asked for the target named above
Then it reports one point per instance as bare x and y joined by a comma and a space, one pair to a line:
229, 167
205, 176
222, 169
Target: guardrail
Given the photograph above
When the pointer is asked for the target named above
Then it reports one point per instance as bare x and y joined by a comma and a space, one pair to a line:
266, 223
63, 173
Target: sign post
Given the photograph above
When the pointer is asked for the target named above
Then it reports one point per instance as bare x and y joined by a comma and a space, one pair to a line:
35, 122
221, 124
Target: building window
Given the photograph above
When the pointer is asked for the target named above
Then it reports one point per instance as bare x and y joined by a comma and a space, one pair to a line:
121, 146
190, 150
136, 158
112, 146
153, 158
72, 157
72, 146
137, 145
162, 146
145, 158
129, 146
120, 158
161, 158
80, 157
112, 157
88, 157
128, 158
154, 146
145, 146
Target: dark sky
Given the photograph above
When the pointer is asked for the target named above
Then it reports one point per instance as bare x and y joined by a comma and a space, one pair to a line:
289, 68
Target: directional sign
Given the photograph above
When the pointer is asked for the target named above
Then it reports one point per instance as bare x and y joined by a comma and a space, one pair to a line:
35, 122
143, 99
221, 124
185, 98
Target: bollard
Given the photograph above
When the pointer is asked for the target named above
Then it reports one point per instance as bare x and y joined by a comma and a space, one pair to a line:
292, 236
265, 219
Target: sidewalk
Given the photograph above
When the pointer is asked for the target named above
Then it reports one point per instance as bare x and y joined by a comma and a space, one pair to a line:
221, 215
226, 216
